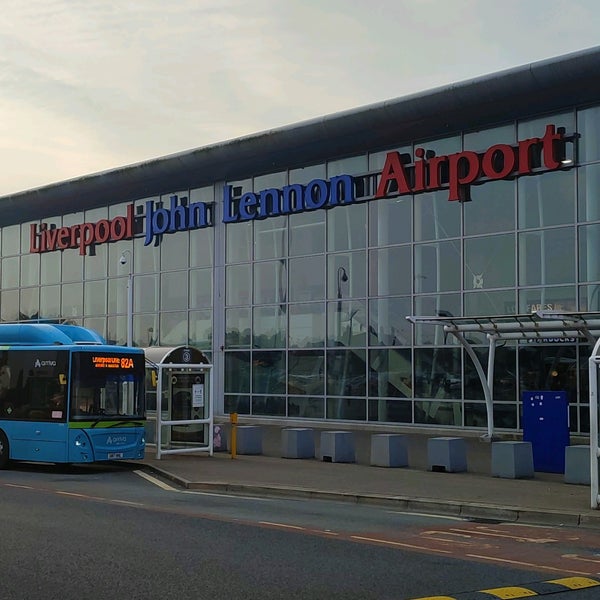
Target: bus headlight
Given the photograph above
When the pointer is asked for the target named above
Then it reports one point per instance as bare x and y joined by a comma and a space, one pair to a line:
80, 441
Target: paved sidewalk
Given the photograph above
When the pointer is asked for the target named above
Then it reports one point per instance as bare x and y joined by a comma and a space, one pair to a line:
545, 499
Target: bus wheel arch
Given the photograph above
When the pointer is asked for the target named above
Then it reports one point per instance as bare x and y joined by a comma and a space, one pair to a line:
4, 450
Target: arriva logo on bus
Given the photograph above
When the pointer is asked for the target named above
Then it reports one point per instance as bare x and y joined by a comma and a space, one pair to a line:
400, 176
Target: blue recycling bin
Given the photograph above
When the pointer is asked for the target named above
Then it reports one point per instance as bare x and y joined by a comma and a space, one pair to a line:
546, 426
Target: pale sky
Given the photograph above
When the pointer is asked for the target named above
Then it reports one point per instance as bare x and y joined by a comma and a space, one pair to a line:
92, 85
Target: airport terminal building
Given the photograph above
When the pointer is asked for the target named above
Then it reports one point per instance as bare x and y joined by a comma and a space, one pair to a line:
292, 257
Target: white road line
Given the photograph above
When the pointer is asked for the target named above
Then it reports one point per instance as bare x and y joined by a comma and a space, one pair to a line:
155, 481
390, 543
128, 502
23, 487
284, 525
418, 514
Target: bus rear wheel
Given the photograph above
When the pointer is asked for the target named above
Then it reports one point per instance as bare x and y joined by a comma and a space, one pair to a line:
4, 450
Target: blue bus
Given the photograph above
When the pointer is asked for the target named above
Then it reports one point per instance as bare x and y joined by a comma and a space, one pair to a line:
68, 397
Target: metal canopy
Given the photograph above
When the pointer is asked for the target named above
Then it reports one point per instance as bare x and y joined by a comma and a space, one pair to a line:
540, 325
174, 354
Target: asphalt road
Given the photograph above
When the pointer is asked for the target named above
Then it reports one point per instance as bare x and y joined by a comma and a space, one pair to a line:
112, 532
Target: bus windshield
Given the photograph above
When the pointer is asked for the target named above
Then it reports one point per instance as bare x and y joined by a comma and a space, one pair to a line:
105, 386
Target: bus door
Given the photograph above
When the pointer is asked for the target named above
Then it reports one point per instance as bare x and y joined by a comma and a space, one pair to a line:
185, 391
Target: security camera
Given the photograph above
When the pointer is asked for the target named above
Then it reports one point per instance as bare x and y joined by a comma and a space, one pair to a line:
123, 260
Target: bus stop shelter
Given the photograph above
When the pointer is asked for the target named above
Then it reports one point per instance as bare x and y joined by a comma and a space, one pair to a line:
540, 325
179, 400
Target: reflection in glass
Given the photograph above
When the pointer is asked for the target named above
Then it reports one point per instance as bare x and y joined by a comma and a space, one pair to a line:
239, 242
347, 227
390, 372
307, 233
547, 199
346, 409
174, 250
346, 372
268, 372
438, 373
11, 240
440, 305
588, 124
10, 272
50, 268
547, 298
49, 302
72, 300
307, 278
347, 323
237, 404
237, 372
307, 408
269, 326
390, 220
268, 405
29, 304
505, 415
200, 288
548, 367
270, 238
9, 305
270, 282
390, 271
346, 275
307, 325
589, 257
588, 191
306, 372
174, 290
547, 257
438, 413
479, 141
173, 329
490, 303
391, 411
492, 208
238, 290
387, 322
237, 328
490, 262
437, 267
434, 217
94, 295
201, 329
30, 269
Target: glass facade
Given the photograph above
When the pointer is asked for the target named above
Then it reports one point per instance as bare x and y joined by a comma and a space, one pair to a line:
305, 313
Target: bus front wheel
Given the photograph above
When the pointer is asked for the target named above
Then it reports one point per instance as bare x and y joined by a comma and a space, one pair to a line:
4, 450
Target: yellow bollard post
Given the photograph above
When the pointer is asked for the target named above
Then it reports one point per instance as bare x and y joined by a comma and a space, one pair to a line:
233, 419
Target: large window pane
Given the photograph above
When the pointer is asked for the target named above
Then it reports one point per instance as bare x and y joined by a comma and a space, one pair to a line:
49, 302
200, 288
346, 323
307, 278
307, 233
201, 329
390, 271
438, 373
490, 262
547, 199
306, 372
72, 300
174, 291
547, 298
29, 303
435, 217
307, 325
387, 322
269, 327
440, 305
270, 238
346, 373
547, 257
237, 372
390, 373
437, 267
346, 275
588, 125
94, 293
268, 372
390, 220
588, 190
238, 290
589, 253
237, 328
30, 269
270, 282
489, 303
492, 208
347, 227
